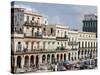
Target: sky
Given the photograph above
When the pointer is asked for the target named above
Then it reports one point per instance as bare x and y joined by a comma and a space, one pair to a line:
64, 14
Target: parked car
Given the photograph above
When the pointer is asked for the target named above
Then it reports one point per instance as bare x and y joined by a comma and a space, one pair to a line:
61, 68
68, 66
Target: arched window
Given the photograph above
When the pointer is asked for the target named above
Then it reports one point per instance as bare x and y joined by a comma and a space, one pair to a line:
19, 61
19, 46
43, 58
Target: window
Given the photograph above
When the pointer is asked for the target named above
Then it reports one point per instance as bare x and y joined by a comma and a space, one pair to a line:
65, 43
94, 44
58, 43
79, 44
21, 19
82, 52
91, 44
20, 30
15, 29
58, 32
27, 44
15, 19
19, 46
38, 18
44, 29
45, 22
28, 18
65, 32
51, 30
33, 18
27, 27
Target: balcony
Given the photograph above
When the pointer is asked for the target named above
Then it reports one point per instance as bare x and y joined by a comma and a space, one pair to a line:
35, 35
73, 43
26, 51
60, 48
33, 24
73, 49
38, 34
87, 47
65, 38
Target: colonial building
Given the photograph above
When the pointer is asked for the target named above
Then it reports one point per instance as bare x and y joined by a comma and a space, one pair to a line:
34, 41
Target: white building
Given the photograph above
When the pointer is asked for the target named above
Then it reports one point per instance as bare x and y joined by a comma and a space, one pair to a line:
37, 42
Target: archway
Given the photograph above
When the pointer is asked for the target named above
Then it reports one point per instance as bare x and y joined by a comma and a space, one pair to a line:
19, 61
57, 57
90, 54
85, 53
78, 54
26, 61
69, 56
48, 58
52, 59
32, 60
43, 58
61, 56
64, 56
37, 60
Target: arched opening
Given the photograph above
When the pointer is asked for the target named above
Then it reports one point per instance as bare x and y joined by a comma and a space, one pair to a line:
52, 59
61, 56
57, 57
69, 56
37, 60
43, 58
64, 56
26, 61
85, 53
32, 60
90, 54
88, 51
78, 54
19, 61
19, 46
12, 64
82, 52
48, 58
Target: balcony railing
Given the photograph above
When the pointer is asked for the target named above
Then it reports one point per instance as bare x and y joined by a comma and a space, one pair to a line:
87, 47
62, 38
60, 48
33, 24
73, 43
26, 51
36, 35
